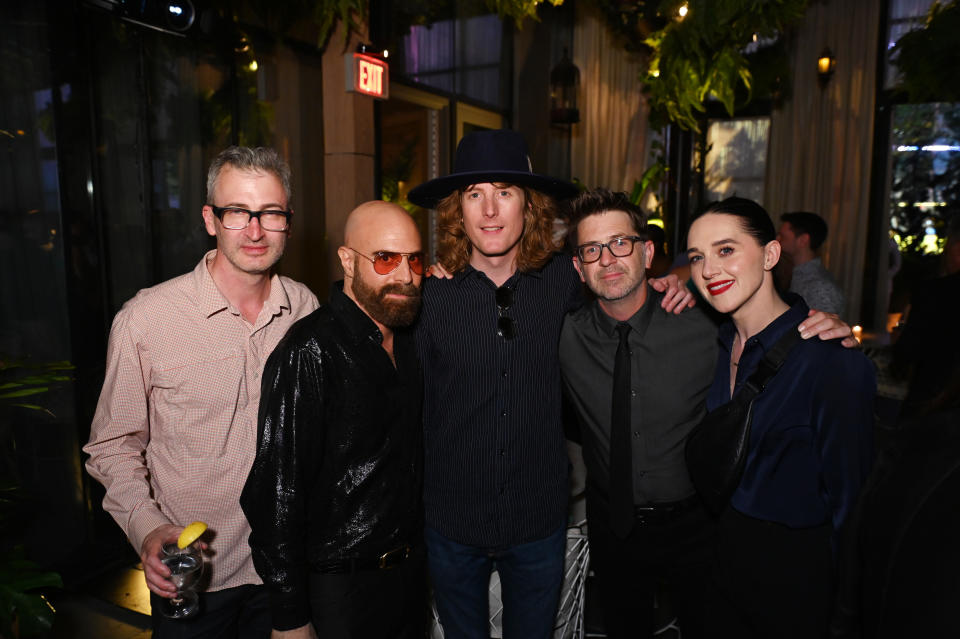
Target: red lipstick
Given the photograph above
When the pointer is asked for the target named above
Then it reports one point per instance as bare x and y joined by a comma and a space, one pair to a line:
719, 287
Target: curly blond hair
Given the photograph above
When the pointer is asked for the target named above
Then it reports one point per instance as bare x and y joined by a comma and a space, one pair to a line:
537, 243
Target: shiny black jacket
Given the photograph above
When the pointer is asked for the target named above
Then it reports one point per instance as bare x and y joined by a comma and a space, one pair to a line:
339, 452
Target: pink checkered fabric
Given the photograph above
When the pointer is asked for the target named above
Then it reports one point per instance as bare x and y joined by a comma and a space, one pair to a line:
175, 431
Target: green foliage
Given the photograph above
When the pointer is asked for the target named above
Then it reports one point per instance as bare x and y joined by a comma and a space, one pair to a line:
398, 169
926, 56
352, 14
702, 57
631, 22
650, 182
518, 9
18, 379
20, 605
278, 17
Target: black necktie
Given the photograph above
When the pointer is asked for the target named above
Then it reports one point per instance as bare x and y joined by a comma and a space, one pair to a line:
621, 452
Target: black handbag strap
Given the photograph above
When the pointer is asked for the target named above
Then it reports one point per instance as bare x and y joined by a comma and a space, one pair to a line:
772, 360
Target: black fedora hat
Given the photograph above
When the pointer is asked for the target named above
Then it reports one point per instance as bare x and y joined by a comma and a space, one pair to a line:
489, 156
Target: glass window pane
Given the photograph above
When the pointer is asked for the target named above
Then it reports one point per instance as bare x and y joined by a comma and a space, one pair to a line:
33, 311
41, 467
736, 161
924, 180
461, 56
429, 55
190, 94
155, 140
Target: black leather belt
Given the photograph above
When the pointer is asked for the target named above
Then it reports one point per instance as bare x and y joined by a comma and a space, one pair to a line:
389, 559
664, 512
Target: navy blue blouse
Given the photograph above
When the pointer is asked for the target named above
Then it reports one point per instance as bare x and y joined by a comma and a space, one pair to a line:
811, 439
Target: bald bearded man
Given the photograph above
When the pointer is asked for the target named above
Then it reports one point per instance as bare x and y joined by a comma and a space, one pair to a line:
333, 497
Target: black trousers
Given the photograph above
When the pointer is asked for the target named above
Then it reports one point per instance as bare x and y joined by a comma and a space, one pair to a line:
672, 556
233, 613
771, 581
372, 604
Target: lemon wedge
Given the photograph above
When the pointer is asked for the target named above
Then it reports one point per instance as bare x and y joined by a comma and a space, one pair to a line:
191, 533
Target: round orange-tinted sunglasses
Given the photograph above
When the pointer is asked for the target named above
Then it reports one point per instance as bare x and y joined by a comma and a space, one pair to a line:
386, 262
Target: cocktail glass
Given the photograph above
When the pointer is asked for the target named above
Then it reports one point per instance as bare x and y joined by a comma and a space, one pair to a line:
186, 565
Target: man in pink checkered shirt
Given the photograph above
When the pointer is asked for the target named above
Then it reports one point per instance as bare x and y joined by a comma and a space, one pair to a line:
175, 431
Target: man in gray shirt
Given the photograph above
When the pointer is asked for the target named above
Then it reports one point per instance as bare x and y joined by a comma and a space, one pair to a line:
801, 235
672, 362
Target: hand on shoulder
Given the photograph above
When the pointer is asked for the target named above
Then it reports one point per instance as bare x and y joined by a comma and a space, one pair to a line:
827, 326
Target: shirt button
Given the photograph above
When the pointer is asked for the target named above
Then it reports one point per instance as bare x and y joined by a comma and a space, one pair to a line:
503, 414
633, 393
504, 373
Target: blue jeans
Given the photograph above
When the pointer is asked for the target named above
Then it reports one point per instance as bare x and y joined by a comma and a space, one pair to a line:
531, 575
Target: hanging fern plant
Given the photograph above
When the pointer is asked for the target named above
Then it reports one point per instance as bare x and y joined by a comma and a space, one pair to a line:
702, 55
352, 14
519, 10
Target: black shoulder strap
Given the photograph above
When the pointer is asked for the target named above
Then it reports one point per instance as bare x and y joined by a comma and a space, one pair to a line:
770, 364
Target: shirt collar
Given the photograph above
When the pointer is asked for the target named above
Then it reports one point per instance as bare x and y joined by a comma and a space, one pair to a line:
212, 301
774, 330
357, 323
278, 300
638, 322
460, 276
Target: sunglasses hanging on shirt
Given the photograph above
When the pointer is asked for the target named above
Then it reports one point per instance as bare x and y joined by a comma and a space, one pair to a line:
506, 327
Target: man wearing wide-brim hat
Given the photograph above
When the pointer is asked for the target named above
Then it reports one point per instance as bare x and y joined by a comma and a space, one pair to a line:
495, 476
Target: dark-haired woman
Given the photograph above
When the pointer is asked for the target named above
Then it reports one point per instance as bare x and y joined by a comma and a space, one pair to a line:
811, 443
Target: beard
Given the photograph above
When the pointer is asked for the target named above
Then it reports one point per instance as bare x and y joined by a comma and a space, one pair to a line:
392, 313
619, 291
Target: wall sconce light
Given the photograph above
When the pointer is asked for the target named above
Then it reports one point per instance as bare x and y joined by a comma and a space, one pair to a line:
564, 87
825, 65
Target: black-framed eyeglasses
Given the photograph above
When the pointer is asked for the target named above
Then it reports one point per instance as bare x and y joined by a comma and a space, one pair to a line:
618, 247
236, 219
506, 327
386, 262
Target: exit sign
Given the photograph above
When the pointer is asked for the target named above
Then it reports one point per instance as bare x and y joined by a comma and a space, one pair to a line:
367, 75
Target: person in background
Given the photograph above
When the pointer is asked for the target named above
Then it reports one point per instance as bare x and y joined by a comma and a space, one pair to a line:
175, 430
927, 351
811, 440
800, 236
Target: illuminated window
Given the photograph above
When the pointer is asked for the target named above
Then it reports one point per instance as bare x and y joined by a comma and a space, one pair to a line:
736, 161
924, 174
464, 56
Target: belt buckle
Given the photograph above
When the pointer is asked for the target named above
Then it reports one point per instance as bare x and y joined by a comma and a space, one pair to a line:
390, 558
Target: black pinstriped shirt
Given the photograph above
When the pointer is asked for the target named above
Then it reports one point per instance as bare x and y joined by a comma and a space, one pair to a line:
496, 464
